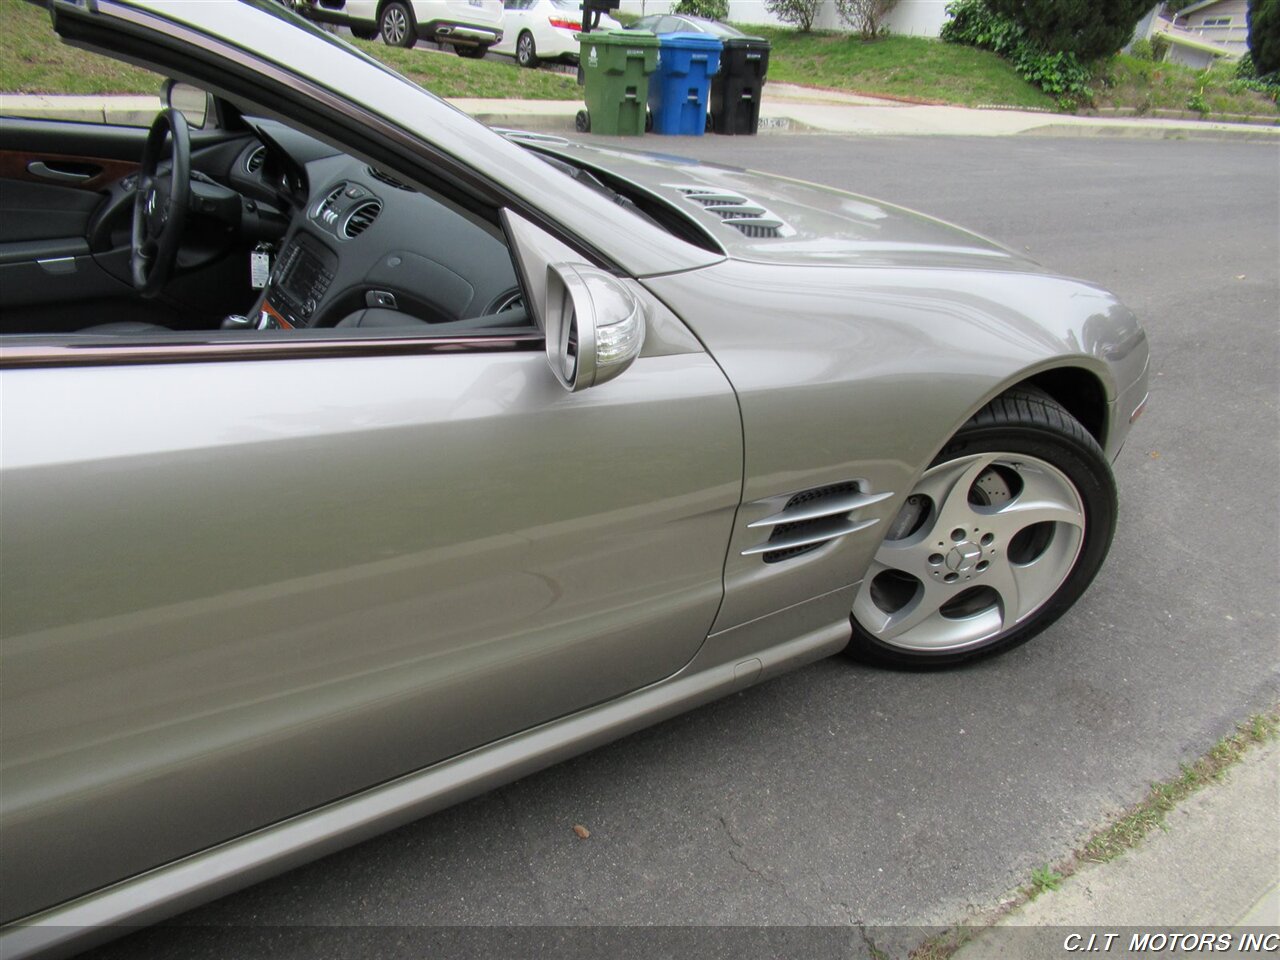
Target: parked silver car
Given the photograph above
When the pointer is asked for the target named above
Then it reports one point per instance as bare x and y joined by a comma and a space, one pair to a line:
358, 458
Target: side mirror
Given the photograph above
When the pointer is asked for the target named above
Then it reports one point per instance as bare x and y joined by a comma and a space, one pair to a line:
593, 324
192, 102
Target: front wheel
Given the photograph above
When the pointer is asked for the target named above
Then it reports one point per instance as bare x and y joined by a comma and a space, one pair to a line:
396, 26
1001, 535
471, 53
526, 50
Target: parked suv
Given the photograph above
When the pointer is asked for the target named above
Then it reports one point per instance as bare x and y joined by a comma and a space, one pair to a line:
471, 27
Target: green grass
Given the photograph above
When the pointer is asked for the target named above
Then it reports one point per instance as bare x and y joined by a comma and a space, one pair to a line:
1144, 85
911, 67
34, 60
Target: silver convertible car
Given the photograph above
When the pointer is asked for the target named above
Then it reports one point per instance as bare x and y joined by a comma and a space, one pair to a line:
358, 458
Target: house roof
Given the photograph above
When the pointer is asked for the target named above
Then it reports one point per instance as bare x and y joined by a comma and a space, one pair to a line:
1182, 38
1201, 5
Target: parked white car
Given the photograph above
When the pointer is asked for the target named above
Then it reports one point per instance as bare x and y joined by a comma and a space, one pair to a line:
471, 27
538, 30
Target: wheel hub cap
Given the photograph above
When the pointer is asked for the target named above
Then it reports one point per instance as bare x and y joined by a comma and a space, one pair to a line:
963, 557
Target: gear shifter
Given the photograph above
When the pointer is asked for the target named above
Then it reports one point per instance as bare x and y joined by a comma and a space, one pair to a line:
237, 322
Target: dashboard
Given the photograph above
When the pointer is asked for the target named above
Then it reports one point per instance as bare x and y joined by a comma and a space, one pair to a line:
363, 249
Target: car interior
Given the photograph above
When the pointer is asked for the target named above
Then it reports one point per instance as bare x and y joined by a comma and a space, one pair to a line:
232, 223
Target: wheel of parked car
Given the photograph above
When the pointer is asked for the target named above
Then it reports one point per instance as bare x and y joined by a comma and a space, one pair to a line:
396, 25
471, 52
526, 50
1001, 535
364, 33
582, 122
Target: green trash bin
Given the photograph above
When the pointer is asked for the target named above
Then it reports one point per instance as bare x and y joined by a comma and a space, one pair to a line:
615, 66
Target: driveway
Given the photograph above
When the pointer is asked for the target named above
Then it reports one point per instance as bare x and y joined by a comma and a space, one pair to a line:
841, 795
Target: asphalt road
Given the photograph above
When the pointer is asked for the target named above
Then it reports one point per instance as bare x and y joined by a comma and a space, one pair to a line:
841, 796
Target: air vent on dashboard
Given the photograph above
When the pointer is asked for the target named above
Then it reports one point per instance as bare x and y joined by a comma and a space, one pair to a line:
812, 518
254, 161
361, 218
388, 179
327, 212
737, 211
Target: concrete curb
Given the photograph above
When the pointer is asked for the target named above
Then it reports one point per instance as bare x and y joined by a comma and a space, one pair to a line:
1215, 867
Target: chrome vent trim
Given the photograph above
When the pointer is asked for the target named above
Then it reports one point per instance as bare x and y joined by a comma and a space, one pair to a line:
738, 211
810, 541
361, 218
254, 161
821, 507
810, 519
327, 209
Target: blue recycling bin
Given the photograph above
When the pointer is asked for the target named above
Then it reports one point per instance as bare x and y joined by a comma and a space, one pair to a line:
680, 88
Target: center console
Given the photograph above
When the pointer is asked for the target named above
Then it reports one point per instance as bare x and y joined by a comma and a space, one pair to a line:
299, 282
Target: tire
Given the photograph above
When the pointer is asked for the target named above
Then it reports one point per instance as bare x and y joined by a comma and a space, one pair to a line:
471, 53
582, 122
526, 50
396, 25
364, 33
1001, 535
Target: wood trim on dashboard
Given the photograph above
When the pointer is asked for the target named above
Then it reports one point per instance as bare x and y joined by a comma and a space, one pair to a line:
140, 350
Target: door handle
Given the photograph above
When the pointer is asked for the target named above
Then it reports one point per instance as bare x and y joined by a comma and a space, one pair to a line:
40, 169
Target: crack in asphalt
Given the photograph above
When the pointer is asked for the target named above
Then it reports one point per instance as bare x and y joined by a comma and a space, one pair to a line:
736, 858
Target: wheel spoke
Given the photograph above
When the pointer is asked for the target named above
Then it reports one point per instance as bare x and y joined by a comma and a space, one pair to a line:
1022, 513
1003, 580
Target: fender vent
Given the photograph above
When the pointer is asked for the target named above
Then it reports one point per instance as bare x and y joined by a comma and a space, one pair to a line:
812, 518
361, 219
737, 211
254, 161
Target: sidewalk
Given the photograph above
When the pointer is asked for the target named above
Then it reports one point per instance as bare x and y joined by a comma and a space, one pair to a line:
1214, 869
792, 109
784, 109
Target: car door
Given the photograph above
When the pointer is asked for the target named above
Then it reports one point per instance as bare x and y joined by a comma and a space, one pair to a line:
237, 588
64, 230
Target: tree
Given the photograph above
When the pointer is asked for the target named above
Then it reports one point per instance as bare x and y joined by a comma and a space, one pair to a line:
865, 16
802, 13
1091, 29
711, 9
1264, 35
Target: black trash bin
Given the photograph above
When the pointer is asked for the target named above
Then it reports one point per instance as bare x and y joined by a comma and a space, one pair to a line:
735, 90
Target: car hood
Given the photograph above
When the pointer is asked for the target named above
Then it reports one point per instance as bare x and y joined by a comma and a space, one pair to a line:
770, 219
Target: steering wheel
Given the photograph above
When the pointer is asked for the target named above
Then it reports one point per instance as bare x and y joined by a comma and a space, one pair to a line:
160, 203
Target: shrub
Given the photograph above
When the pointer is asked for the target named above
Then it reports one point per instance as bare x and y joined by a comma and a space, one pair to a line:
1090, 29
1159, 47
1264, 35
1058, 73
711, 9
801, 13
1142, 49
865, 16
